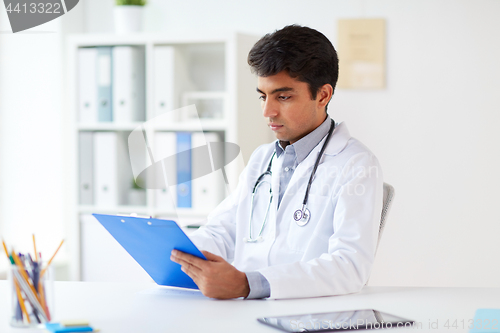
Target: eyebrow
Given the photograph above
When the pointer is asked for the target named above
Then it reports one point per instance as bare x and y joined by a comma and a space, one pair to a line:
275, 90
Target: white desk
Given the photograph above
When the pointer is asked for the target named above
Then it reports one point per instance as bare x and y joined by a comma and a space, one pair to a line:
124, 308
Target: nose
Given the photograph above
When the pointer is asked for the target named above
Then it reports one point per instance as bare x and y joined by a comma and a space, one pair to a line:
269, 108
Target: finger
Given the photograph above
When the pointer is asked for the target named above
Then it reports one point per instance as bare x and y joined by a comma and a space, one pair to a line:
192, 271
178, 256
188, 268
212, 257
179, 261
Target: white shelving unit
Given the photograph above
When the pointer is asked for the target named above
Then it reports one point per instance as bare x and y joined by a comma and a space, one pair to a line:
218, 67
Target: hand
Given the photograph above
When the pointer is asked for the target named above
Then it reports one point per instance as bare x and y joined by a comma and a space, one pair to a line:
215, 277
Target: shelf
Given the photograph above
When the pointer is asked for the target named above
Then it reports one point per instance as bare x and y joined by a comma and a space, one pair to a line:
109, 126
140, 39
206, 70
141, 211
205, 94
89, 209
188, 126
182, 212
194, 126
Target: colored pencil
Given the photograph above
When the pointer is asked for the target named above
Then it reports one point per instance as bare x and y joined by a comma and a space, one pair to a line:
5, 249
34, 245
44, 301
50, 261
22, 271
18, 292
21, 300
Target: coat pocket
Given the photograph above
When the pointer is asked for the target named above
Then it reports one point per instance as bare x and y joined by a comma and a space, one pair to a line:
315, 234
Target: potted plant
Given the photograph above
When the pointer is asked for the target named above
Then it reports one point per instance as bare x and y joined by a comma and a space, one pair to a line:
129, 15
136, 195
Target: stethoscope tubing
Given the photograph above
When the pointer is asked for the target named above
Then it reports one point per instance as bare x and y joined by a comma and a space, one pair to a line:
304, 212
306, 196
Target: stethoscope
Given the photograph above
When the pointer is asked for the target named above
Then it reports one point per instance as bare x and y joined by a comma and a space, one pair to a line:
302, 215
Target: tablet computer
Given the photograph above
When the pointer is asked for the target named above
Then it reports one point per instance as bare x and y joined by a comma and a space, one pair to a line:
337, 321
150, 242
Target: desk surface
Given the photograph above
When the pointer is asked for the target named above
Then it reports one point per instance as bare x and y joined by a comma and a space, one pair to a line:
120, 307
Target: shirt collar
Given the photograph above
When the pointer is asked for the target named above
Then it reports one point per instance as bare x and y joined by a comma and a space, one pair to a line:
305, 145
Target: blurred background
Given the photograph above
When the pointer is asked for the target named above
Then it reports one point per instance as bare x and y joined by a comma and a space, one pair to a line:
434, 126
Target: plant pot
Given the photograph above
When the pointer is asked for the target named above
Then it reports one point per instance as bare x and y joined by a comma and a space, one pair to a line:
136, 197
128, 18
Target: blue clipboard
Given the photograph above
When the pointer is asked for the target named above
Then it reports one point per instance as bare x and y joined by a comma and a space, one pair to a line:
150, 241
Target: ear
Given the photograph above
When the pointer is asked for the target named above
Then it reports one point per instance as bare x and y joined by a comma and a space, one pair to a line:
324, 95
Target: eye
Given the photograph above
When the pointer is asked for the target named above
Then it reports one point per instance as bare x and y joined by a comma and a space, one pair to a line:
284, 98
262, 97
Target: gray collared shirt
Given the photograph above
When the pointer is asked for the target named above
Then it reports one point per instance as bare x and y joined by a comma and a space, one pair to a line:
293, 155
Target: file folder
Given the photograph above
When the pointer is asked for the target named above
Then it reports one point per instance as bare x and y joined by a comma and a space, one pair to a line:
184, 194
150, 242
208, 190
87, 85
86, 162
166, 146
128, 84
165, 87
171, 77
104, 83
112, 176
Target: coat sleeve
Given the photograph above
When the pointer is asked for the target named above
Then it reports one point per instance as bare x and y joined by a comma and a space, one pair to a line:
346, 267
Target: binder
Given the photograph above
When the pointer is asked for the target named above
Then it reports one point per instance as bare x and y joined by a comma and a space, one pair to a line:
164, 81
86, 185
184, 170
104, 84
150, 242
112, 175
171, 78
128, 84
207, 190
165, 146
87, 85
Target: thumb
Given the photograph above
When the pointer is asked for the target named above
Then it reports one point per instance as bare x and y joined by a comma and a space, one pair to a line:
212, 257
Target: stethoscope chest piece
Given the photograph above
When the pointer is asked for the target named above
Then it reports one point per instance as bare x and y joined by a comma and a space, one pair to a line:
302, 217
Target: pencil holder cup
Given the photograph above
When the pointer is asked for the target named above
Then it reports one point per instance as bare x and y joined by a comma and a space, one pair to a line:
32, 295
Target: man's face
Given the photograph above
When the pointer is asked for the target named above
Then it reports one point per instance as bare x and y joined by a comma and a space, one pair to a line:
287, 104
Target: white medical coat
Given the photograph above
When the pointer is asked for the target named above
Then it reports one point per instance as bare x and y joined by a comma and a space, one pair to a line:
331, 255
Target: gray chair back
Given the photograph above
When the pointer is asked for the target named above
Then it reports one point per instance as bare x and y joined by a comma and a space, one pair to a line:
386, 206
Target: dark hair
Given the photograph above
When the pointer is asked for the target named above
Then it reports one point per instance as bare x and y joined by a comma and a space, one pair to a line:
306, 54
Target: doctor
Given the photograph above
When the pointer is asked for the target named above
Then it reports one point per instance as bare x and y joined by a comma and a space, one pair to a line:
304, 218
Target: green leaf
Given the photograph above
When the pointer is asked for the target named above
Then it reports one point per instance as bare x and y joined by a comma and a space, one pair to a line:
131, 2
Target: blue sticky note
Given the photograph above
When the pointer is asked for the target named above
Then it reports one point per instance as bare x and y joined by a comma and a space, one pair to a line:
486, 320
58, 328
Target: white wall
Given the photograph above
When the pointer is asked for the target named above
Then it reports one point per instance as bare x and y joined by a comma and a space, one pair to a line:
433, 128
32, 126
30, 103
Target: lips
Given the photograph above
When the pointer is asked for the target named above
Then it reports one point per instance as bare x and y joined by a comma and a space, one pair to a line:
275, 127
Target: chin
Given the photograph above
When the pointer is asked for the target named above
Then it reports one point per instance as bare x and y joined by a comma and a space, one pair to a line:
281, 138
